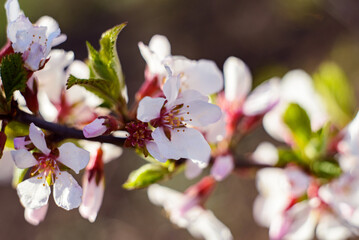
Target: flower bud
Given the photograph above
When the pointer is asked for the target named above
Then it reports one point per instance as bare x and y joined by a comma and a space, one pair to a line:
100, 126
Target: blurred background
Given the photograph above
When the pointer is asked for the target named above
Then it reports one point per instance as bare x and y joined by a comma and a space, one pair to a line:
272, 37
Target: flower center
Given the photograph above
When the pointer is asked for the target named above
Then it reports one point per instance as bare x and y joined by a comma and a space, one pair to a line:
139, 134
176, 117
47, 167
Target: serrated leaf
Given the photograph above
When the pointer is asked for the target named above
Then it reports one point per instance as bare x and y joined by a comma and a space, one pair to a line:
99, 87
105, 64
333, 86
146, 175
18, 176
298, 122
13, 74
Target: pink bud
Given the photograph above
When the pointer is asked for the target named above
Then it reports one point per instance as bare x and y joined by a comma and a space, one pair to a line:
95, 128
222, 167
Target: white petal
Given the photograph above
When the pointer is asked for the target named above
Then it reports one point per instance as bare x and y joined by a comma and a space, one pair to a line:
67, 192
149, 108
74, 157
160, 45
49, 23
200, 113
35, 216
202, 75
265, 153
34, 192
38, 139
92, 197
23, 158
215, 132
238, 79
163, 148
171, 87
263, 98
274, 125
154, 62
163, 196
191, 144
79, 69
155, 152
222, 167
208, 227
329, 227
13, 10
192, 169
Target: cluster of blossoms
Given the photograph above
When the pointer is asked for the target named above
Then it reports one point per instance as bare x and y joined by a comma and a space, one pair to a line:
187, 116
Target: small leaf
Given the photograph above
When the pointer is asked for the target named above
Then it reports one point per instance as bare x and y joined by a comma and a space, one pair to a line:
286, 156
99, 87
326, 169
298, 122
13, 74
146, 175
18, 176
15, 129
333, 86
105, 64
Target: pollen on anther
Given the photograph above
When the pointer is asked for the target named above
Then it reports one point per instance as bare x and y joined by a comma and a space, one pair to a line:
187, 112
187, 106
183, 130
43, 184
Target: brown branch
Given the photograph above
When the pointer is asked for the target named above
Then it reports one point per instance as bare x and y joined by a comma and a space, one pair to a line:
62, 131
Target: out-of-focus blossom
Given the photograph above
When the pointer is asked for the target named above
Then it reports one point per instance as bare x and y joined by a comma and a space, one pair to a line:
34, 192
236, 102
222, 167
295, 87
35, 216
265, 153
33, 41
93, 186
184, 210
172, 138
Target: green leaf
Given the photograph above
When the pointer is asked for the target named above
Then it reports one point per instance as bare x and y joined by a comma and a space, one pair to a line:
15, 129
298, 122
326, 169
18, 176
332, 84
99, 87
13, 74
105, 64
286, 156
146, 175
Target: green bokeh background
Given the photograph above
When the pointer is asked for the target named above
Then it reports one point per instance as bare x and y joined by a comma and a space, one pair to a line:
270, 36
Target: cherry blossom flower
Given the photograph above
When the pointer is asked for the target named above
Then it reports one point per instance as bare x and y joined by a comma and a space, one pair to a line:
236, 102
202, 75
184, 211
34, 192
295, 87
33, 41
172, 138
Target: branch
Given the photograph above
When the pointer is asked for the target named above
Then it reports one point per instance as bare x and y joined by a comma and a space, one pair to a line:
62, 131
241, 162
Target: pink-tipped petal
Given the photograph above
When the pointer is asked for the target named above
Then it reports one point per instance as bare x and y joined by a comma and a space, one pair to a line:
35, 216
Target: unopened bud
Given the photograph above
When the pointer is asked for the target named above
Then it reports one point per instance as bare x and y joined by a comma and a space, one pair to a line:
100, 126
